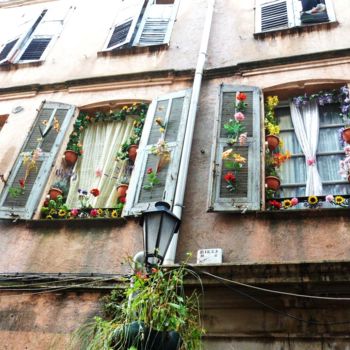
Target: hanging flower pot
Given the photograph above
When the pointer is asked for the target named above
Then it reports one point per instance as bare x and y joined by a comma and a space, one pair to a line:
272, 182
272, 142
346, 135
132, 152
70, 157
121, 190
54, 193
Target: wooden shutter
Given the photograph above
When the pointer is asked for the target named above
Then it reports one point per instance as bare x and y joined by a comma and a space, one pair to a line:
173, 109
122, 32
46, 32
21, 33
157, 24
247, 195
24, 205
274, 15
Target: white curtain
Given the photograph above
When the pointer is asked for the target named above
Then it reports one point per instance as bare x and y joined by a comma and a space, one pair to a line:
306, 125
97, 167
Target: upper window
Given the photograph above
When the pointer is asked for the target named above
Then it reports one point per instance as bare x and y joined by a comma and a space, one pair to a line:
272, 15
32, 36
142, 23
306, 157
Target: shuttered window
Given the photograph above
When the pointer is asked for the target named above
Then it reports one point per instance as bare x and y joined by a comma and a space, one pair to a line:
122, 31
35, 49
246, 195
157, 23
7, 49
274, 15
173, 110
24, 205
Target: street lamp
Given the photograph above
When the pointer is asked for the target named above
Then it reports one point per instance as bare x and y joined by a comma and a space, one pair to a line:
159, 227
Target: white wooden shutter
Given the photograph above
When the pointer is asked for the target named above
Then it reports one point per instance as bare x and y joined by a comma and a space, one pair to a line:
173, 109
247, 195
44, 35
20, 35
24, 205
273, 15
122, 32
157, 23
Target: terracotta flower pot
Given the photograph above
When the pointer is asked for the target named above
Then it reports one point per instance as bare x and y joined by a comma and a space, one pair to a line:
54, 193
272, 142
346, 135
132, 152
121, 190
70, 157
272, 182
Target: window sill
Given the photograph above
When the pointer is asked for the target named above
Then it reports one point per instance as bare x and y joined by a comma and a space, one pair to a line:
15, 66
296, 29
133, 50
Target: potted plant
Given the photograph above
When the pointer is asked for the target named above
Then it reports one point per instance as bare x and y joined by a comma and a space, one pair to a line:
73, 151
153, 313
271, 126
58, 188
122, 186
273, 161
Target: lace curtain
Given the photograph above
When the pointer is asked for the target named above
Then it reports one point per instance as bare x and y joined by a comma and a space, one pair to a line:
97, 168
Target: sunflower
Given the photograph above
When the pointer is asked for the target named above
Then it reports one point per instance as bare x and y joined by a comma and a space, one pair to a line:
53, 212
100, 212
312, 200
339, 199
287, 203
49, 217
62, 213
114, 214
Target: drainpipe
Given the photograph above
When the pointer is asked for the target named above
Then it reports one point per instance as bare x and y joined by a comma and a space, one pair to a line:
186, 152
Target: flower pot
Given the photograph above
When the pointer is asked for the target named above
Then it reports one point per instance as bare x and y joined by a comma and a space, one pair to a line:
346, 135
70, 157
54, 193
272, 182
132, 152
272, 142
138, 335
121, 190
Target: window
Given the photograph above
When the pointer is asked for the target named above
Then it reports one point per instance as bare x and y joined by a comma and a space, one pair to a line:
272, 15
142, 23
90, 183
315, 166
33, 36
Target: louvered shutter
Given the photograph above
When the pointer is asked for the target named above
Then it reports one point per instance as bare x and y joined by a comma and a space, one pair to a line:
24, 205
157, 24
273, 15
122, 32
173, 109
20, 34
247, 194
48, 30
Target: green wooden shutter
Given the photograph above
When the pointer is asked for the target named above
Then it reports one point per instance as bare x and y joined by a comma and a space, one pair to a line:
25, 205
173, 109
247, 195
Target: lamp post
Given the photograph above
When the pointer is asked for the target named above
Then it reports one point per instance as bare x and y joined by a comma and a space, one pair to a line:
159, 227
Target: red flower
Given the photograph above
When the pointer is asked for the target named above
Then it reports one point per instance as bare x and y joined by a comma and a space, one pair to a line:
22, 182
241, 96
93, 212
149, 170
95, 192
122, 200
275, 204
230, 177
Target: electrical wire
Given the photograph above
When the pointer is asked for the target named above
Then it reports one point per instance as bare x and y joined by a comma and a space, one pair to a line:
271, 290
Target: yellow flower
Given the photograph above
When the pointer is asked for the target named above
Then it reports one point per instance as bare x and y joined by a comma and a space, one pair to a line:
114, 214
100, 212
312, 200
62, 213
49, 217
287, 203
125, 108
162, 130
239, 159
227, 154
53, 212
339, 199
272, 101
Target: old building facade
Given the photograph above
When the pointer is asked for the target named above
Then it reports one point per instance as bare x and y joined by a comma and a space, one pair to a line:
64, 60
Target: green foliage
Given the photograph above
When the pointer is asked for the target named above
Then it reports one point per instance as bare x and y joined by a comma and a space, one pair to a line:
152, 180
15, 192
234, 129
61, 185
155, 301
